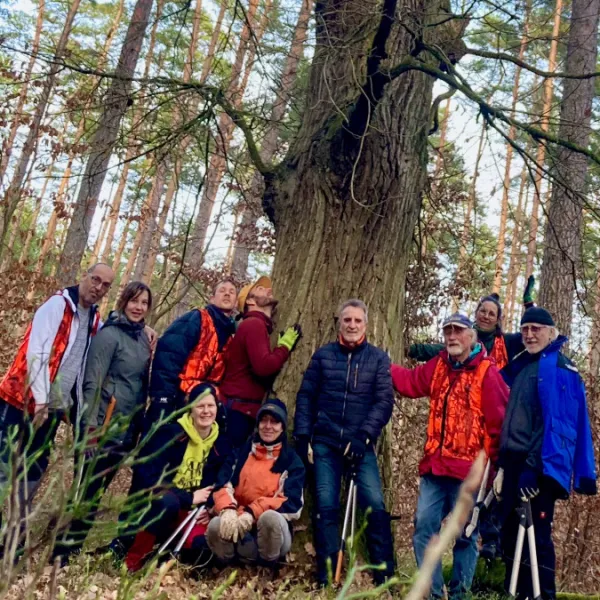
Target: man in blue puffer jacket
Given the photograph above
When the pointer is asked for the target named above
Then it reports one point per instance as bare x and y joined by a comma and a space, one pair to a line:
546, 447
345, 400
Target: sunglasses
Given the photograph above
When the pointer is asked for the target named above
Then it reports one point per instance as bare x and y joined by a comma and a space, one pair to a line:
532, 329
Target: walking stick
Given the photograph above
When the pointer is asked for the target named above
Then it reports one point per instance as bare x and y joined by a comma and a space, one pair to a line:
525, 526
483, 501
350, 510
189, 519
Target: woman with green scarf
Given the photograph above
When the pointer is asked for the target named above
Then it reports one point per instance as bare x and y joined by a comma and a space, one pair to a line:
186, 457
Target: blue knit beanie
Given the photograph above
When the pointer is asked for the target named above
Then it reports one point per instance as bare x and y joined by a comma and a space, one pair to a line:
275, 408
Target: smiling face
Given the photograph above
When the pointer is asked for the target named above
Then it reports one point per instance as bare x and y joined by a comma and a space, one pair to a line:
269, 428
536, 337
353, 324
458, 341
137, 308
204, 412
486, 316
224, 297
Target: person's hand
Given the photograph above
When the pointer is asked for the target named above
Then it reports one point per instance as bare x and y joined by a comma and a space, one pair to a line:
152, 337
228, 526
201, 496
304, 449
528, 293
290, 337
498, 482
40, 414
356, 448
528, 485
245, 523
203, 517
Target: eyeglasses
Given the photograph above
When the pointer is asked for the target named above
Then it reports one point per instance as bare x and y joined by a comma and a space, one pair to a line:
532, 329
98, 282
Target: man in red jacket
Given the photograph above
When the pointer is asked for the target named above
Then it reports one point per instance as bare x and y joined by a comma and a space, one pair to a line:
250, 364
467, 403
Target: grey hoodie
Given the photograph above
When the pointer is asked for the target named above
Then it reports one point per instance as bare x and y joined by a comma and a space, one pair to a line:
118, 365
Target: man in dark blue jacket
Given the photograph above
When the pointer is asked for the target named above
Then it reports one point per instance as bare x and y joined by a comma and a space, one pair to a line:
345, 400
546, 447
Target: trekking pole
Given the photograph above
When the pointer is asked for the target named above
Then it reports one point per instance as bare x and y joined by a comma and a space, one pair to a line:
186, 533
525, 526
479, 504
338, 569
180, 527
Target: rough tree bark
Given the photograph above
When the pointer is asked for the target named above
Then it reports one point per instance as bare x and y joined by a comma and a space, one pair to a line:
345, 200
115, 104
562, 246
509, 154
8, 142
11, 198
541, 151
252, 211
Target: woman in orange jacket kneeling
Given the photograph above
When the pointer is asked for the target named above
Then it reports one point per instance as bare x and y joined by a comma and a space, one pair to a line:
258, 494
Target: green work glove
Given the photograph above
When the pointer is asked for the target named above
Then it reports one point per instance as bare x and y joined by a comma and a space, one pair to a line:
290, 337
528, 293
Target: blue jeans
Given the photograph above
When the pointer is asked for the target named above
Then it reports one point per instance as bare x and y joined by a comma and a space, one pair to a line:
329, 468
437, 497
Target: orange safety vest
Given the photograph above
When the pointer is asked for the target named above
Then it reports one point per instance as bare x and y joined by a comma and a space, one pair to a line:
15, 386
205, 362
455, 415
499, 353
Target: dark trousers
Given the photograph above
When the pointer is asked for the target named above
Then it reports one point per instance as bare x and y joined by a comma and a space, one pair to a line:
542, 508
329, 466
97, 477
163, 516
17, 435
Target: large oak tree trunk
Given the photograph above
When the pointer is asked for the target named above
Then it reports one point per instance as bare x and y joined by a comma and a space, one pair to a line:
115, 105
562, 247
345, 201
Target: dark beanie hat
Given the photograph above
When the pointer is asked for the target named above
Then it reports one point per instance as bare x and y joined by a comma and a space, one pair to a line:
275, 408
495, 299
537, 314
199, 389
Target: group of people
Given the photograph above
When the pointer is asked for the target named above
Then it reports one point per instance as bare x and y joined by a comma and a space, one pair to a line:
194, 408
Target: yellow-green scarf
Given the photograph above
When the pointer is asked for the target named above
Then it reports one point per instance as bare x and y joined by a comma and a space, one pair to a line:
189, 473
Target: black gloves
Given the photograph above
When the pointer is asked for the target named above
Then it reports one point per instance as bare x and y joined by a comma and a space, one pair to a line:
302, 446
356, 448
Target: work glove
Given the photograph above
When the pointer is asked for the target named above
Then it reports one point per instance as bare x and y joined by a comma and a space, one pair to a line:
304, 449
290, 337
245, 524
528, 293
356, 448
498, 482
228, 526
528, 485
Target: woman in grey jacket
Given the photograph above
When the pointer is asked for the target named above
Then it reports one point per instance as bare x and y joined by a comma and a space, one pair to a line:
114, 389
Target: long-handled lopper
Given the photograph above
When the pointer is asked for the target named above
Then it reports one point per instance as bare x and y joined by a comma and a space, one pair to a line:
483, 502
525, 526
350, 515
